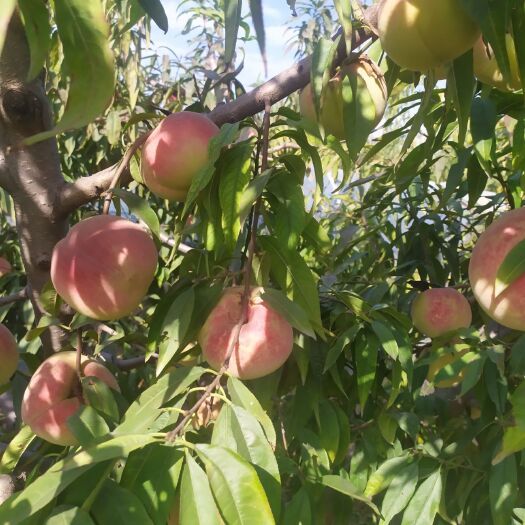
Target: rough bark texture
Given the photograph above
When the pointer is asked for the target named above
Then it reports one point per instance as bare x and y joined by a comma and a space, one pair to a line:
31, 174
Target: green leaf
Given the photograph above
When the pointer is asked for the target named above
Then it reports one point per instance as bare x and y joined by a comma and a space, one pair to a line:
176, 324
298, 510
251, 193
152, 474
483, 120
84, 34
400, 491
155, 10
242, 396
7, 8
387, 471
340, 344
197, 504
87, 425
16, 447
503, 490
35, 18
344, 486
239, 431
328, 424
234, 177
514, 436
258, 24
232, 20
365, 351
144, 410
386, 338
424, 505
203, 177
141, 208
118, 506
236, 487
512, 267
295, 278
100, 397
344, 12
66, 515
291, 311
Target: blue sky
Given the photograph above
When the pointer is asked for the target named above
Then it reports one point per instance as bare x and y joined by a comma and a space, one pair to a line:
276, 13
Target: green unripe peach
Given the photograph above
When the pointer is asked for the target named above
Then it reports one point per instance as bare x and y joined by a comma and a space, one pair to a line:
9, 356
487, 70
424, 34
438, 311
371, 105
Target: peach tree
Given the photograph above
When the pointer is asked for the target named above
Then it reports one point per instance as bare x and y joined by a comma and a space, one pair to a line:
300, 303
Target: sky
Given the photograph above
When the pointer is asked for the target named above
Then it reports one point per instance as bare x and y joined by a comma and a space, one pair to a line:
275, 12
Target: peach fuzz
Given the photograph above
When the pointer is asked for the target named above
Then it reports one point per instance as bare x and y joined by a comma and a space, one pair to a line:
508, 308
438, 311
423, 34
49, 399
265, 341
8, 355
174, 152
104, 266
5, 267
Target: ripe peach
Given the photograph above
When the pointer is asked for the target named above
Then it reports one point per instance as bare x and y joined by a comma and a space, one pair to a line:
104, 266
438, 311
49, 399
332, 112
487, 70
265, 341
507, 308
175, 151
422, 34
8, 354
5, 267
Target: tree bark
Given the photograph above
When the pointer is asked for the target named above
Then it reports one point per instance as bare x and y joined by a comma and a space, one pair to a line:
30, 174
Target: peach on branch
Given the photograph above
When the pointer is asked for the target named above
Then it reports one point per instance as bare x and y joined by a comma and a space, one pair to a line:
174, 152
5, 267
423, 34
438, 311
492, 247
104, 266
487, 70
370, 102
8, 354
265, 341
52, 395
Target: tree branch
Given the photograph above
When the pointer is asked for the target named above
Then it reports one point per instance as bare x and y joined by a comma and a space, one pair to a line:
86, 189
18, 296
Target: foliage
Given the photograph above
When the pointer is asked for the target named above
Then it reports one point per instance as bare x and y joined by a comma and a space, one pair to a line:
349, 430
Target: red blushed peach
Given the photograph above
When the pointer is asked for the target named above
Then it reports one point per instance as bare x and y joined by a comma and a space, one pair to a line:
5, 267
438, 311
8, 355
507, 308
104, 266
49, 399
265, 341
174, 152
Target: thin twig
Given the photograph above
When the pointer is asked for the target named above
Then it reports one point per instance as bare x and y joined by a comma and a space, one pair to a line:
14, 297
245, 298
77, 387
123, 165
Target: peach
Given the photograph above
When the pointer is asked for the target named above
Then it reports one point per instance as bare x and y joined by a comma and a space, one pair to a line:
5, 267
8, 354
49, 399
104, 266
424, 34
371, 108
508, 307
265, 341
487, 70
438, 311
174, 152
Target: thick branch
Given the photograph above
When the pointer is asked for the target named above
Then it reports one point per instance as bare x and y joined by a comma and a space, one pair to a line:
274, 90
